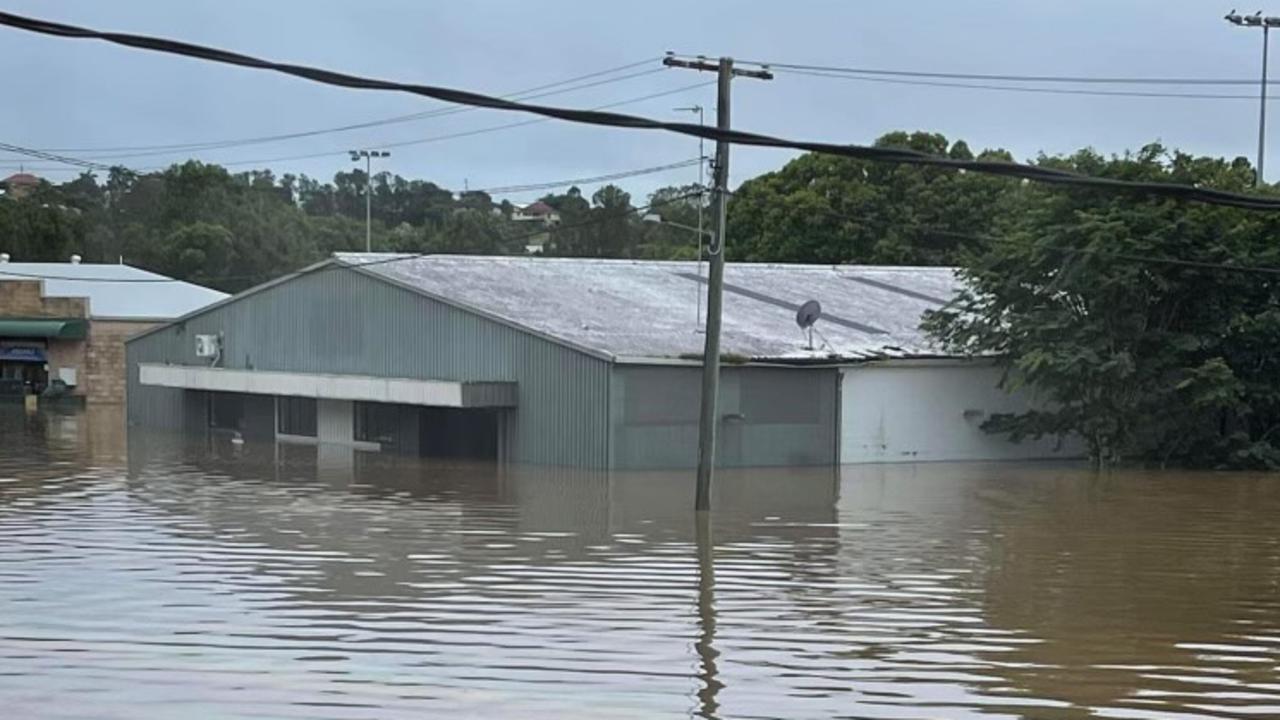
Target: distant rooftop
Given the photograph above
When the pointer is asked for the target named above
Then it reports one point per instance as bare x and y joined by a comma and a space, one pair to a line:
115, 291
22, 178
634, 309
537, 208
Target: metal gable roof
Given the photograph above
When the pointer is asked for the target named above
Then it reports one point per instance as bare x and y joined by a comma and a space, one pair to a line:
115, 291
645, 310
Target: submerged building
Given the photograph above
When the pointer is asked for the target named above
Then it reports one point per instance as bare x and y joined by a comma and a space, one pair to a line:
576, 362
64, 324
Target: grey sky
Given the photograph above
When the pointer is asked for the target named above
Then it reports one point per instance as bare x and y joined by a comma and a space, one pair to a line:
87, 94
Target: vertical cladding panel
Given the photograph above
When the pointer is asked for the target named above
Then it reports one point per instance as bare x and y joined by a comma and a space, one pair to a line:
768, 417
152, 406
655, 417
342, 321
789, 416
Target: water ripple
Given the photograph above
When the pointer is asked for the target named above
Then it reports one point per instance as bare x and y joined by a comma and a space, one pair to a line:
178, 578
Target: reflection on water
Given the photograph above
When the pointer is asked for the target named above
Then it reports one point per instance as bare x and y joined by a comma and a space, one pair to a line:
173, 578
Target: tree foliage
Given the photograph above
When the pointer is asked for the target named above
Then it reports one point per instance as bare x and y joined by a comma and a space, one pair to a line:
825, 209
1145, 360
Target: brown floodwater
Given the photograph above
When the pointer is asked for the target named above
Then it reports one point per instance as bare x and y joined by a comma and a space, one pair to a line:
153, 576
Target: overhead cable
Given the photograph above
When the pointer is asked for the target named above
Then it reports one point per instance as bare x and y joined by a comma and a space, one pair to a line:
457, 135
1021, 88
65, 159
902, 156
151, 150
1004, 77
433, 138
509, 189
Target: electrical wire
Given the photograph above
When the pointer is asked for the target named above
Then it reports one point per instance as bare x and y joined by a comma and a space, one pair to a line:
1130, 257
1065, 79
407, 143
1021, 89
455, 135
902, 156
152, 150
1150, 259
65, 159
510, 189
6, 273
48, 154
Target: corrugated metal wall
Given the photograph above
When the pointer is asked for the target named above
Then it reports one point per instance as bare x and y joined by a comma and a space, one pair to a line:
341, 321
769, 417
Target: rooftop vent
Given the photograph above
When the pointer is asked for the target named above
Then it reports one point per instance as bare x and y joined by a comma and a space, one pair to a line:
75, 259
4, 257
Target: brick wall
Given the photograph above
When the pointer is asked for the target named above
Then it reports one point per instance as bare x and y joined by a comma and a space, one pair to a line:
98, 359
64, 354
103, 374
22, 299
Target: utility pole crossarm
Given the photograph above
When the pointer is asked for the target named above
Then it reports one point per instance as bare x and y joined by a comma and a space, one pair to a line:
704, 65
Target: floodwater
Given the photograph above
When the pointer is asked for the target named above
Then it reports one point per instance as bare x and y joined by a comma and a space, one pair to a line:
167, 578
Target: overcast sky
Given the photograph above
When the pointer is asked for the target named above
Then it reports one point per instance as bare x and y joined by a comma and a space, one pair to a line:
85, 96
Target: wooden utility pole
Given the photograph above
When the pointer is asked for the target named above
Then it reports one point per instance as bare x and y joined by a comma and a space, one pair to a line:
708, 420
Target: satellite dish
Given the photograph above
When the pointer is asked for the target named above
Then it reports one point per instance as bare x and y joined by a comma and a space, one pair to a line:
808, 314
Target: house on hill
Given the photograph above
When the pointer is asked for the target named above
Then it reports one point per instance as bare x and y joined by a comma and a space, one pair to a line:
19, 185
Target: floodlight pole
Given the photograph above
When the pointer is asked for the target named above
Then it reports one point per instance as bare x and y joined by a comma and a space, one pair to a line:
368, 156
708, 419
1262, 106
1265, 23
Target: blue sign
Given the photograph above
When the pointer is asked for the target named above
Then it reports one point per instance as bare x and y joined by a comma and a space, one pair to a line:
22, 354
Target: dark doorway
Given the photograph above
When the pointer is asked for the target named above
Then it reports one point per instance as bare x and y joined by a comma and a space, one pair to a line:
226, 411
252, 416
450, 433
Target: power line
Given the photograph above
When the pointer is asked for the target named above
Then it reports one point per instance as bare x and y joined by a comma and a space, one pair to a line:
455, 135
431, 139
510, 189
608, 119
397, 257
1149, 259
787, 70
1066, 79
1131, 257
1021, 89
152, 150
66, 160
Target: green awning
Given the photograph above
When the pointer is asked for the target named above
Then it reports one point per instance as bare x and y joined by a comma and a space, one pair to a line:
44, 328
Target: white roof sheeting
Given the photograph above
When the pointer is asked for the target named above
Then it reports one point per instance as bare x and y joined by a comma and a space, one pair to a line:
640, 310
118, 292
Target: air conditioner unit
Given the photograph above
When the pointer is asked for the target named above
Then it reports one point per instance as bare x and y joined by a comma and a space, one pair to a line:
207, 346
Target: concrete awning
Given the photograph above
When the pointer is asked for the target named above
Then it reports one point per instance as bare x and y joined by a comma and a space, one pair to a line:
367, 388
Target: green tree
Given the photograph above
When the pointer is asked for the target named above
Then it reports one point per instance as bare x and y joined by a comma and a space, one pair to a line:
474, 232
1145, 360
824, 209
200, 252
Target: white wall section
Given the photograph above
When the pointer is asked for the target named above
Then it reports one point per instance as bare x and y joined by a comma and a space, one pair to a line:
929, 411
